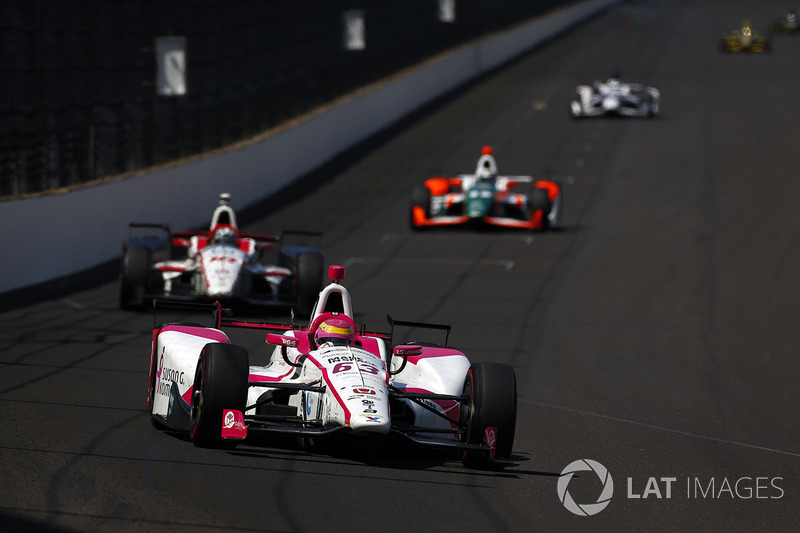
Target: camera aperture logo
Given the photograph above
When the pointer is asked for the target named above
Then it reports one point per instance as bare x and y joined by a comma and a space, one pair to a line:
586, 509
660, 487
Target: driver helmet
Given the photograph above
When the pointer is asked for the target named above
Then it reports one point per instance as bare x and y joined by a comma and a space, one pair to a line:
485, 172
224, 236
613, 82
335, 331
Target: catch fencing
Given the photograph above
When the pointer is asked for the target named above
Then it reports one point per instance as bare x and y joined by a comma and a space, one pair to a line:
98, 88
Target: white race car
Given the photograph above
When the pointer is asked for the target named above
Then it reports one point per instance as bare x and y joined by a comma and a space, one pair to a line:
614, 97
328, 379
221, 263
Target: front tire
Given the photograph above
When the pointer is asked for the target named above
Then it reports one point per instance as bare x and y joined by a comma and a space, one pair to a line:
420, 197
220, 382
492, 392
540, 200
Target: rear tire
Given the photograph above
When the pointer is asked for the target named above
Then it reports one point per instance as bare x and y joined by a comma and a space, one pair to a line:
134, 274
309, 267
220, 382
492, 389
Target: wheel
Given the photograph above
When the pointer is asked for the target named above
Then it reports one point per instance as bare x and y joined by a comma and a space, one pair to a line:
134, 274
553, 218
492, 392
420, 197
309, 269
655, 109
220, 382
540, 200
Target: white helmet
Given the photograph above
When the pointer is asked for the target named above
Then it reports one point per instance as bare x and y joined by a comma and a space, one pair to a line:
224, 235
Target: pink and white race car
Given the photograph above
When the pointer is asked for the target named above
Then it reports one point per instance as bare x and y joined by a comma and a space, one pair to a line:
219, 264
328, 379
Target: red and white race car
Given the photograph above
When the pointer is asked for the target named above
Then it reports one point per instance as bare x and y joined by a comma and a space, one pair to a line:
221, 263
487, 198
329, 379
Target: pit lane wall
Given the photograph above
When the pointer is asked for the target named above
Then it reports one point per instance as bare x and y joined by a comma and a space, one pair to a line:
56, 235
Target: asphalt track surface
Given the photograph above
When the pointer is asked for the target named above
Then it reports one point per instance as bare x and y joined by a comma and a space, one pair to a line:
656, 333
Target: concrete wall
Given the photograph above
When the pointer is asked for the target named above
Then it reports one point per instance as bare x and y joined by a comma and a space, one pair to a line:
59, 234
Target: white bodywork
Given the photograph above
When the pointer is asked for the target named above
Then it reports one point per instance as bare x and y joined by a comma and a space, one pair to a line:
356, 387
221, 266
221, 263
443, 372
177, 350
616, 97
337, 386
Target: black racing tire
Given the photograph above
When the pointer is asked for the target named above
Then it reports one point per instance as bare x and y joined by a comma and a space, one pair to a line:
540, 200
309, 270
134, 274
220, 383
420, 197
492, 403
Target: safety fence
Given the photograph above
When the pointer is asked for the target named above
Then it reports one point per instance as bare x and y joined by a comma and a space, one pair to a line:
98, 88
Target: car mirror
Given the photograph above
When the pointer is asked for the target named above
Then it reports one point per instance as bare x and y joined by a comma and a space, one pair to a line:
280, 340
404, 351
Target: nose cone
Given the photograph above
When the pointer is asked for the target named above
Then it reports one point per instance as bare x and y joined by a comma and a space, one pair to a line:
611, 103
221, 269
370, 423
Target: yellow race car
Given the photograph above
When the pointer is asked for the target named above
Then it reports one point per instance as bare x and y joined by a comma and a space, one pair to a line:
745, 39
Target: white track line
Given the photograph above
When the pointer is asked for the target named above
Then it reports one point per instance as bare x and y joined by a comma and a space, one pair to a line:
661, 428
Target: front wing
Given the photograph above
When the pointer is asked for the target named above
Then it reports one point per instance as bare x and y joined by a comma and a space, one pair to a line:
292, 425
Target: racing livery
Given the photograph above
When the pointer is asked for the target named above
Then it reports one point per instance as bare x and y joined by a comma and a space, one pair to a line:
788, 24
221, 263
614, 97
486, 198
745, 39
327, 379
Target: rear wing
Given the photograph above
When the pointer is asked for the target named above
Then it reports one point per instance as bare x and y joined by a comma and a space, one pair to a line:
223, 316
215, 309
133, 226
422, 325
281, 239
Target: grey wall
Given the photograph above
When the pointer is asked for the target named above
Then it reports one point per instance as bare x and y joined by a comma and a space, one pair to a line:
64, 233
